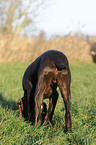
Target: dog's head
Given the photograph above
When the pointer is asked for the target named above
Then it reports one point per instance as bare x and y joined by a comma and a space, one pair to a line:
22, 107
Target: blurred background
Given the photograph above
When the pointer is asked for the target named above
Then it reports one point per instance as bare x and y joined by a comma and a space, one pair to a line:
29, 28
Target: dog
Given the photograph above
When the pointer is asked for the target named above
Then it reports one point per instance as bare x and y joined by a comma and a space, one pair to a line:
22, 106
40, 81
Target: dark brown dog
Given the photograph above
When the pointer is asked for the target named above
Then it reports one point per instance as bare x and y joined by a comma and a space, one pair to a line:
22, 106
40, 81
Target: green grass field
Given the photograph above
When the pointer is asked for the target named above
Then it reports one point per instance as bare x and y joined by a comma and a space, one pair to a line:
16, 131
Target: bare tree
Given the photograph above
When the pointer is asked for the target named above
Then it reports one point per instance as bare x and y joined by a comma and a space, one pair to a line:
16, 15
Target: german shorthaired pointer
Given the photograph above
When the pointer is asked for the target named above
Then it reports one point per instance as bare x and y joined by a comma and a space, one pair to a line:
40, 81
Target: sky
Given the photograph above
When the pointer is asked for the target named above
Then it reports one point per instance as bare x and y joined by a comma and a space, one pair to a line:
70, 16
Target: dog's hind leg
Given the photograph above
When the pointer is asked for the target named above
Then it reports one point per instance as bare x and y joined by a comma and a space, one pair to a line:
66, 95
38, 102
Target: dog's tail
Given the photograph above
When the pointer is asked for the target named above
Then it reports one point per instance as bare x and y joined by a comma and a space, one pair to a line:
60, 65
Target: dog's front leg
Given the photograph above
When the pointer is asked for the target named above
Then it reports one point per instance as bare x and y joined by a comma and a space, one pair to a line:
20, 107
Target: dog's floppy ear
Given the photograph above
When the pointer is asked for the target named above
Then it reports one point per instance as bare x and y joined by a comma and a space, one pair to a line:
20, 107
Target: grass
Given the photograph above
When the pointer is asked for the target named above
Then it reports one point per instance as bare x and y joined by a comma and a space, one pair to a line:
14, 130
14, 48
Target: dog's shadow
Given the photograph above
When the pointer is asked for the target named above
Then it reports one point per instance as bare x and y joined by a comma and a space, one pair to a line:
7, 104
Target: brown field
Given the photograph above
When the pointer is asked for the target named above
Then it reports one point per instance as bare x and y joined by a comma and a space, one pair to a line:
14, 48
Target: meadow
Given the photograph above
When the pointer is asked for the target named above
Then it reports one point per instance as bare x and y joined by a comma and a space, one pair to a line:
14, 130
